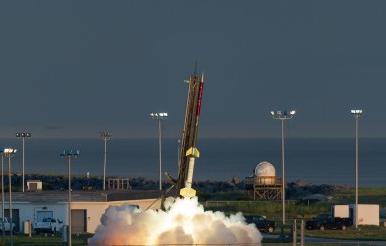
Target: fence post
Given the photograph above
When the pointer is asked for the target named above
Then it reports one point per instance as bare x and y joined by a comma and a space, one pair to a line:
294, 239
302, 233
29, 228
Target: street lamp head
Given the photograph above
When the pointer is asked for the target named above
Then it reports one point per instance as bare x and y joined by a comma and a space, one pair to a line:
356, 112
69, 153
105, 135
283, 115
159, 116
8, 151
23, 134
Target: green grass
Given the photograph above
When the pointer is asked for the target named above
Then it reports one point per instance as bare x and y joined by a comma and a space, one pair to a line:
373, 233
273, 211
318, 244
37, 240
237, 201
375, 195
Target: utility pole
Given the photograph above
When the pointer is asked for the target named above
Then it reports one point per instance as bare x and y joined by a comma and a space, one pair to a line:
69, 154
2, 194
9, 152
283, 116
159, 117
356, 113
106, 136
23, 136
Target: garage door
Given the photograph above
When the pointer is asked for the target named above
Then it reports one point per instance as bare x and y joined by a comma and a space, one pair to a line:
79, 220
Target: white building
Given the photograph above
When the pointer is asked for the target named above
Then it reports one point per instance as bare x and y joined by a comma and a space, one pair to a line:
86, 207
368, 214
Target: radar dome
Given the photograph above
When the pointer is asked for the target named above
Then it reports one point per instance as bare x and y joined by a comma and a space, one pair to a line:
265, 169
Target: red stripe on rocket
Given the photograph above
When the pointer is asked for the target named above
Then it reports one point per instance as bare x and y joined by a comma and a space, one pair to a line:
200, 91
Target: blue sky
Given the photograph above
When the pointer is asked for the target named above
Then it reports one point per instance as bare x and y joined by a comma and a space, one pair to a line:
73, 68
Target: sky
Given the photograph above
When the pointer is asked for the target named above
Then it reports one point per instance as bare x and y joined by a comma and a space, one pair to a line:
72, 68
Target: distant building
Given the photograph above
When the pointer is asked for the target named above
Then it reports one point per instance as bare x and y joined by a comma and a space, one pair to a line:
264, 184
34, 185
86, 208
368, 214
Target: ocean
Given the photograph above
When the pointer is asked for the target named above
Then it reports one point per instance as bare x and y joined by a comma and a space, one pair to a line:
318, 161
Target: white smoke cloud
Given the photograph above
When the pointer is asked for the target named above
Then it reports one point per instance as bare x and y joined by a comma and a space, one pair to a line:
183, 222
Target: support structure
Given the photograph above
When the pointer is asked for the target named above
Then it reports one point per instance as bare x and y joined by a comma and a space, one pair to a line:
190, 130
264, 188
118, 184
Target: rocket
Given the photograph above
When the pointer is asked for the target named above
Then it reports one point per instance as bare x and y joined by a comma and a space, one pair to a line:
192, 153
188, 191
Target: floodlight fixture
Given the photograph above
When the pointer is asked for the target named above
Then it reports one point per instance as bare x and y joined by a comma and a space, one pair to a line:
159, 116
356, 112
9, 151
105, 135
283, 115
70, 153
23, 134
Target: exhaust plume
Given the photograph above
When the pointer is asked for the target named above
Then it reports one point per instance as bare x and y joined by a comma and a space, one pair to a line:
183, 222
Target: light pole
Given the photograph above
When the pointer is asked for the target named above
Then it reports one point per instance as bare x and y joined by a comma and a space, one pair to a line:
2, 192
9, 152
105, 135
356, 113
283, 116
159, 117
23, 136
69, 154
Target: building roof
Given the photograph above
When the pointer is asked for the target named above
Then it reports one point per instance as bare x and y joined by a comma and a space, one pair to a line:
82, 196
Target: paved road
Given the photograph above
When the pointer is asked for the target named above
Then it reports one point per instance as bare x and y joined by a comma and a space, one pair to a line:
329, 241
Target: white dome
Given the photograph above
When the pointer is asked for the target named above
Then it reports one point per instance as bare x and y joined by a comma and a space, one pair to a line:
264, 169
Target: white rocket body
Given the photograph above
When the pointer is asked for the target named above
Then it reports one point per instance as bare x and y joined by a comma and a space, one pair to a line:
188, 191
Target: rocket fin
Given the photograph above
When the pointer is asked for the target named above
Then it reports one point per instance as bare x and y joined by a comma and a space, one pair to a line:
193, 151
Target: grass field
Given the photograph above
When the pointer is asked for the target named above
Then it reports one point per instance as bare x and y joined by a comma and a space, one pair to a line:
273, 211
237, 201
366, 195
40, 240
364, 233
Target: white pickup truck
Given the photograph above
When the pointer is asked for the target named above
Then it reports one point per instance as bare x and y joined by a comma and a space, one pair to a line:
7, 225
47, 225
